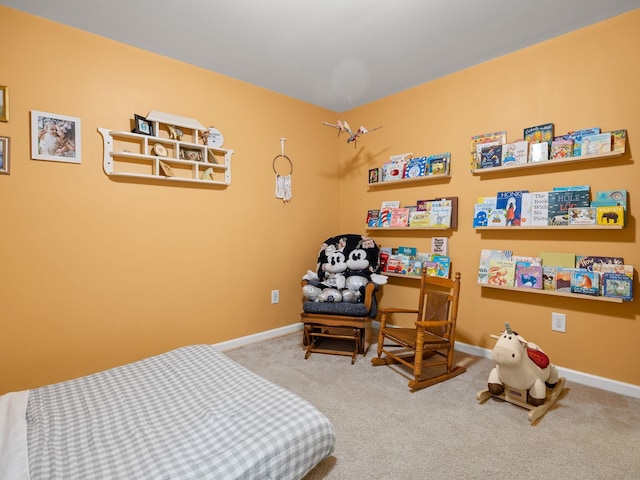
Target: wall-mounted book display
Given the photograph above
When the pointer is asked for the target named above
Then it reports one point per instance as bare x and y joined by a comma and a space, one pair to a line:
405, 168
539, 147
433, 214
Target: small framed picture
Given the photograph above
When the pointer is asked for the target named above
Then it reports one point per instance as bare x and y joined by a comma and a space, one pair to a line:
190, 154
55, 137
142, 125
4, 103
4, 155
374, 175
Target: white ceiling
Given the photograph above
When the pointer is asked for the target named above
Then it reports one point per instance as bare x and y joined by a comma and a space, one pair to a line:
337, 54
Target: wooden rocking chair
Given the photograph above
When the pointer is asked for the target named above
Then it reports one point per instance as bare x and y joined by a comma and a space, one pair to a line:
430, 344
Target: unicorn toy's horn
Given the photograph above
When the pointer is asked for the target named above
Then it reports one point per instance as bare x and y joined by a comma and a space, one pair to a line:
508, 328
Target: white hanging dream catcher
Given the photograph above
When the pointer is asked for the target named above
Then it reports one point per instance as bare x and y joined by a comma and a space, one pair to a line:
283, 182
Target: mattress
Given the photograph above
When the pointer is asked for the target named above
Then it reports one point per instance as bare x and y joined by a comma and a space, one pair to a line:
192, 413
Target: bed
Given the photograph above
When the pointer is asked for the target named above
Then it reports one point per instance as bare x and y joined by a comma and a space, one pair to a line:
191, 413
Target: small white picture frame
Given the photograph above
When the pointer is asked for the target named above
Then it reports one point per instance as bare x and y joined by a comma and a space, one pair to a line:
55, 137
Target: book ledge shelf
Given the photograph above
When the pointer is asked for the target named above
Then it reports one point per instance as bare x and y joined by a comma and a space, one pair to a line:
423, 178
557, 227
409, 228
554, 293
545, 163
400, 275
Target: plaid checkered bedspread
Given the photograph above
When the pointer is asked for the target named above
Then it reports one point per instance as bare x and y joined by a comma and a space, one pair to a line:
191, 413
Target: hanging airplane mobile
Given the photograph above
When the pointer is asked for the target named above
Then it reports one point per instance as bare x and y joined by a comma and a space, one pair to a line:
343, 126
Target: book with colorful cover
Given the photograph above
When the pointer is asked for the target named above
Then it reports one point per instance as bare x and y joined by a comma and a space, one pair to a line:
477, 142
454, 209
538, 152
385, 212
399, 217
441, 214
609, 268
393, 170
576, 136
563, 279
617, 285
486, 255
481, 212
561, 201
618, 141
515, 153
511, 203
585, 282
439, 164
539, 134
525, 210
596, 144
610, 198
397, 264
610, 216
414, 268
443, 265
419, 219
539, 209
595, 263
497, 217
502, 273
373, 218
582, 216
549, 277
572, 188
526, 260
529, 276
491, 156
416, 167
409, 251
561, 149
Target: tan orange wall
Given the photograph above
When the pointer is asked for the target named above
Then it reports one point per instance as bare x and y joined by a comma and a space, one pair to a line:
584, 79
97, 272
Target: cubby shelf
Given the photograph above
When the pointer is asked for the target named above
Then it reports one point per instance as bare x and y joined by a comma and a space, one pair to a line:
211, 166
548, 163
403, 181
554, 293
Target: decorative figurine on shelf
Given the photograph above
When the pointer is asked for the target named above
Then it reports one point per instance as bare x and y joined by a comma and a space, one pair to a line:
343, 126
522, 375
175, 133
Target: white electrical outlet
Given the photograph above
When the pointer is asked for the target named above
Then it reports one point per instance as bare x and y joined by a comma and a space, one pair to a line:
275, 296
558, 322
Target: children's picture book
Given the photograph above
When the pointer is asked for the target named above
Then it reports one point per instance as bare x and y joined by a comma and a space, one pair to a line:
478, 140
511, 203
549, 278
385, 212
576, 136
409, 251
416, 167
399, 217
502, 273
486, 255
572, 188
515, 153
454, 209
610, 198
525, 210
414, 267
617, 285
373, 218
595, 144
558, 259
441, 213
596, 264
529, 276
585, 282
374, 175
610, 216
539, 209
419, 219
538, 152
497, 217
561, 149
440, 246
563, 278
491, 156
560, 201
397, 264
618, 141
526, 260
394, 169
609, 268
481, 212
443, 265
439, 164
539, 134
582, 216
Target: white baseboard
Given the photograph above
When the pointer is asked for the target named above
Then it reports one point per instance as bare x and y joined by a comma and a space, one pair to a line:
615, 386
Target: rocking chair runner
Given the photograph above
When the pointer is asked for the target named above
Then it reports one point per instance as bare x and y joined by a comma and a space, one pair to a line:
430, 344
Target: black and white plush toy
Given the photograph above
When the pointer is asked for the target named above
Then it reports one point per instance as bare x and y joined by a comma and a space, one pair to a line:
346, 263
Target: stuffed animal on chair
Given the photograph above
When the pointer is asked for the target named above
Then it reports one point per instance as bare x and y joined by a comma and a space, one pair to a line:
346, 263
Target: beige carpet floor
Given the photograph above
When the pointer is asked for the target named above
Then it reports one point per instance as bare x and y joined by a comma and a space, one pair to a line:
383, 431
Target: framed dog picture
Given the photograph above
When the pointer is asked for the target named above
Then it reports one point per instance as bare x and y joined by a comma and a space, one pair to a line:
55, 137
